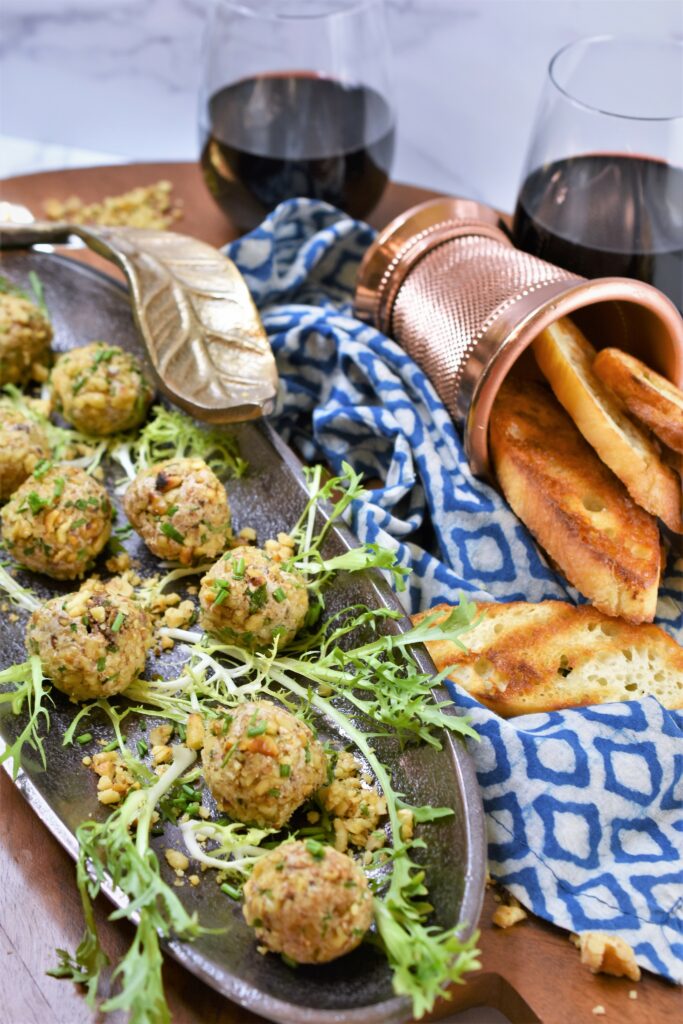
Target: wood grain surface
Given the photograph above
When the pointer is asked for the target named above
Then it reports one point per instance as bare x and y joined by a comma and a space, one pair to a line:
530, 973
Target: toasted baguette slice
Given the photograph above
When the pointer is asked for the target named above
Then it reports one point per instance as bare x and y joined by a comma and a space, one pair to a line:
566, 359
574, 506
524, 658
646, 394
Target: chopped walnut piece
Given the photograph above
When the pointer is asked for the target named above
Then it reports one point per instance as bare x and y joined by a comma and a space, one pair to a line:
160, 735
176, 860
599, 1011
161, 754
608, 954
194, 735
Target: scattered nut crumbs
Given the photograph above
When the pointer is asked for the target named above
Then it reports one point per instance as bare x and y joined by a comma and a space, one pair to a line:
599, 1010
118, 563
147, 206
281, 549
354, 805
633, 994
608, 954
115, 780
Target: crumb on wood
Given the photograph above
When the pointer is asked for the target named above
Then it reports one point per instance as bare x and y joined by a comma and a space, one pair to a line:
608, 954
507, 916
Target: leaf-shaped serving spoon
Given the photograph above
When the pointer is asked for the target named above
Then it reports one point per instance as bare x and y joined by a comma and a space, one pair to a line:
203, 333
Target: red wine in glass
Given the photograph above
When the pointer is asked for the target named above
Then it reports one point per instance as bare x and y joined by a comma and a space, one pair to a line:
605, 214
274, 136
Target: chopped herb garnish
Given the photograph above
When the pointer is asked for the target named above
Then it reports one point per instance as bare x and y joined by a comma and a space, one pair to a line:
60, 484
169, 530
279, 595
142, 748
118, 622
223, 588
41, 467
258, 598
85, 737
316, 849
238, 569
101, 662
285, 771
231, 891
36, 503
257, 729
78, 522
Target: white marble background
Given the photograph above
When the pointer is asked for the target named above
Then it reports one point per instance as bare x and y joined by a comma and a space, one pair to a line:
117, 79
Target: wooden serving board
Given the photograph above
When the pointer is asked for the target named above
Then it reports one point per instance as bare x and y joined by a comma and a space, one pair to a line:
531, 973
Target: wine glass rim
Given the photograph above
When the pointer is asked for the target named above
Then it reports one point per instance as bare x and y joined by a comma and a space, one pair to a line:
609, 38
345, 8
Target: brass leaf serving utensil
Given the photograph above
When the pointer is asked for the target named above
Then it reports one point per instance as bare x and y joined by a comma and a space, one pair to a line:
203, 333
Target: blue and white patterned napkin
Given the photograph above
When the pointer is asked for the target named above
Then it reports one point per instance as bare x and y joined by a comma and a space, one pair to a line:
584, 807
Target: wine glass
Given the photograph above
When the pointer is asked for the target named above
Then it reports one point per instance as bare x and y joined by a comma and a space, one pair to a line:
294, 102
602, 188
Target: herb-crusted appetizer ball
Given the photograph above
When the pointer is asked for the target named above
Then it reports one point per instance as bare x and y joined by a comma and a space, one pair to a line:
261, 763
57, 522
101, 389
249, 599
180, 509
25, 336
308, 901
23, 444
92, 643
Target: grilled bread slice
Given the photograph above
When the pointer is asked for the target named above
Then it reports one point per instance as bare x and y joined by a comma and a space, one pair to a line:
566, 359
574, 506
652, 398
523, 658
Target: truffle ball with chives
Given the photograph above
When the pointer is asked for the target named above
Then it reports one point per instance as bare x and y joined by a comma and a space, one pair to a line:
249, 599
23, 446
58, 521
92, 643
180, 509
261, 762
25, 336
101, 389
308, 902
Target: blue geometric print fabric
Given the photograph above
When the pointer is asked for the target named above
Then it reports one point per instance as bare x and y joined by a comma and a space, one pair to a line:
584, 807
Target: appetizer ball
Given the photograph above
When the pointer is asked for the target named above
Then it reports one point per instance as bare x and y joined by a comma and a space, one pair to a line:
57, 524
23, 443
101, 389
180, 509
92, 643
25, 336
261, 763
249, 599
308, 901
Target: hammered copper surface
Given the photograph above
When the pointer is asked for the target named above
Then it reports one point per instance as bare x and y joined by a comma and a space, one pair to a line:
448, 285
206, 344
86, 305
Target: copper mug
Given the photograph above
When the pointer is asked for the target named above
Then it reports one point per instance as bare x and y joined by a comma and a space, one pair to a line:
445, 281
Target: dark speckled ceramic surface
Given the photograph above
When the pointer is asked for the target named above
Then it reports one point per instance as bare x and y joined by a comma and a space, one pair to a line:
85, 306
